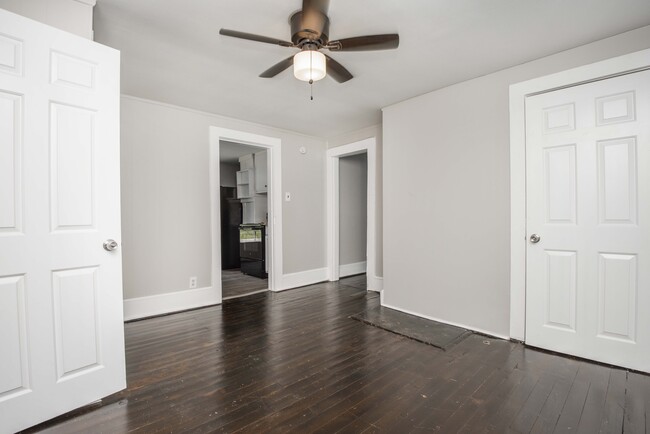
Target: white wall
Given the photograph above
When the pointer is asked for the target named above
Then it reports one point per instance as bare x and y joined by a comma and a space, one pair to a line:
228, 174
353, 208
166, 202
446, 170
355, 136
74, 16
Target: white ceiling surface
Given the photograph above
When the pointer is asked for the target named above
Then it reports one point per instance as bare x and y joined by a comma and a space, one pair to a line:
229, 152
172, 52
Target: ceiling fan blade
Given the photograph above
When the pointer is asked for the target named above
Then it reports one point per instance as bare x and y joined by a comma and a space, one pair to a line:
277, 68
337, 71
252, 37
365, 43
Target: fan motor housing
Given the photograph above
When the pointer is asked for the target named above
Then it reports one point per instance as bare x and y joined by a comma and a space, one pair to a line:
312, 28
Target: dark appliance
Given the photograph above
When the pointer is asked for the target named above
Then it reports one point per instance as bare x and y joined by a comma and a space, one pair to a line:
252, 249
231, 218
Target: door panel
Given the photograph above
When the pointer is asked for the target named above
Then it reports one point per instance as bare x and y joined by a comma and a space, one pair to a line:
588, 197
560, 184
61, 324
13, 337
75, 320
71, 71
617, 180
71, 142
11, 55
10, 151
561, 289
617, 298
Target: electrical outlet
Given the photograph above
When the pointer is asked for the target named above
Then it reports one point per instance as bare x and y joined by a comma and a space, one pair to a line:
192, 282
287, 197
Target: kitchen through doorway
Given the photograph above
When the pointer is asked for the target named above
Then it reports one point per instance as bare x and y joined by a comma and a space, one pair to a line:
243, 189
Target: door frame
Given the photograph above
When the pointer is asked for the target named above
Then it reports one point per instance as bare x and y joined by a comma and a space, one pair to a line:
626, 64
273, 146
333, 156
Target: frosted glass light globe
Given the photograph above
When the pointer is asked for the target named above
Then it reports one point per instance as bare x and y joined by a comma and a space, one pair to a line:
309, 65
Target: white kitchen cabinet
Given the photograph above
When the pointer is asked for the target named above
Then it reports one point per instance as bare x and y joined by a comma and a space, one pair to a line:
245, 183
246, 162
261, 172
254, 209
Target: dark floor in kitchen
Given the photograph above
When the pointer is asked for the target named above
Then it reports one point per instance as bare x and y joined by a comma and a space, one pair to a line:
234, 283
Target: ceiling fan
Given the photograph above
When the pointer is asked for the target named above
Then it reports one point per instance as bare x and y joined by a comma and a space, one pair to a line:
310, 33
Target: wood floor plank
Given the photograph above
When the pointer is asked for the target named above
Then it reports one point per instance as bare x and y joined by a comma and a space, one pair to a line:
614, 412
592, 413
637, 399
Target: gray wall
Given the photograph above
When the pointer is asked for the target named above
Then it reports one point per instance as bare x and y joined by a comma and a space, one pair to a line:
446, 168
228, 174
355, 136
70, 15
166, 201
353, 208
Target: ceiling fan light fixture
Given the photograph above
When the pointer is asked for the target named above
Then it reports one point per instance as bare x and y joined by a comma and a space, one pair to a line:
309, 65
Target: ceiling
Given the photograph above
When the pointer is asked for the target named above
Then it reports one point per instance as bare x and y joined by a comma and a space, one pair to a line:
229, 152
172, 52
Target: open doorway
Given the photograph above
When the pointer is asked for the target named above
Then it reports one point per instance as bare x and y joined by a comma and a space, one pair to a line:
243, 188
351, 204
353, 217
273, 238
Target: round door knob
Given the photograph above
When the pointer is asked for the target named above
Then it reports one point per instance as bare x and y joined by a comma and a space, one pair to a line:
110, 245
534, 238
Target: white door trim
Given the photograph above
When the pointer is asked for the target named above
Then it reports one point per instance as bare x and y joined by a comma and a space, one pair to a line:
333, 155
625, 64
273, 146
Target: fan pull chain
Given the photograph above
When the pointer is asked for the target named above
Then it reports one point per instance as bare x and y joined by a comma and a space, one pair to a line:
311, 75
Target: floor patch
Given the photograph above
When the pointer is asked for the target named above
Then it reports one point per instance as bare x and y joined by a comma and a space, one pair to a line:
429, 332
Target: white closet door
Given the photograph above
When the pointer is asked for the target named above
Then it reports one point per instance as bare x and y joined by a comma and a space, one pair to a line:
61, 325
588, 199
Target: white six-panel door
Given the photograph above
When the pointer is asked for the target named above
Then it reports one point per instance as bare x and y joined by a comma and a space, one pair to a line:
588, 200
61, 328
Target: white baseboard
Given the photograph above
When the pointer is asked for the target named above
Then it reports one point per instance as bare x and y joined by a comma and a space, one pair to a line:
352, 269
475, 329
142, 307
375, 283
302, 278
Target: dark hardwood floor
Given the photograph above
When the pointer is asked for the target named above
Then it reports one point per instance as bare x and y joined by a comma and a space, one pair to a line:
294, 362
235, 284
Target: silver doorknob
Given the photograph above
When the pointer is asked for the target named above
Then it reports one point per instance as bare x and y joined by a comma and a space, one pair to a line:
534, 238
110, 245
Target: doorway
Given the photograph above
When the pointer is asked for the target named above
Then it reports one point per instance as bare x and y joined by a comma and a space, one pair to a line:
245, 212
347, 253
244, 219
353, 214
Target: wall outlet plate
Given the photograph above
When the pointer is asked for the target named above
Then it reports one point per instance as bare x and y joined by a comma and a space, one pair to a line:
192, 282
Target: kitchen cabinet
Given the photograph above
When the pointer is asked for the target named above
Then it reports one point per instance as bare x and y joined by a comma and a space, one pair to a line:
254, 209
261, 183
245, 183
